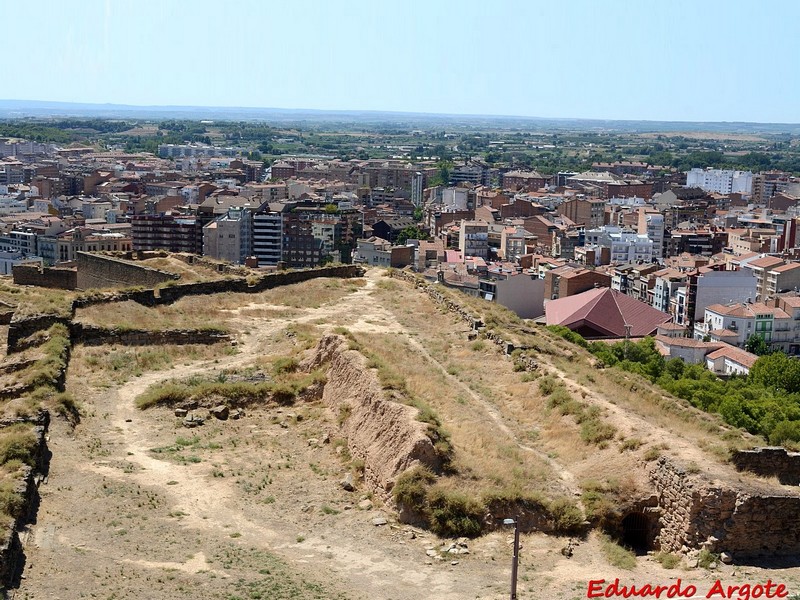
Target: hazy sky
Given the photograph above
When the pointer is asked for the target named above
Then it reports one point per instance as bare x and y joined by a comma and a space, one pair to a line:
693, 60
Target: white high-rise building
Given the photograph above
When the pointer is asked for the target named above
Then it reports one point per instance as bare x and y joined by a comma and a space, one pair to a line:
626, 246
651, 223
721, 181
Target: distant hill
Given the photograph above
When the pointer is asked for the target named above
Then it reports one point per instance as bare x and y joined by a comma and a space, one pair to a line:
14, 109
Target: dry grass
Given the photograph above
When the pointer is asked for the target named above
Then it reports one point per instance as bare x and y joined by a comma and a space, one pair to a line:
589, 430
310, 294
485, 460
103, 366
199, 311
188, 273
30, 300
189, 313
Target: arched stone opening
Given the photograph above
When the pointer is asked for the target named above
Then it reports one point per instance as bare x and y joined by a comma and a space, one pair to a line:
636, 530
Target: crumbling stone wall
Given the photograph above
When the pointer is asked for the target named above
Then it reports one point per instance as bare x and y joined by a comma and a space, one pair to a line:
20, 329
11, 552
384, 433
91, 335
745, 522
62, 278
96, 271
770, 462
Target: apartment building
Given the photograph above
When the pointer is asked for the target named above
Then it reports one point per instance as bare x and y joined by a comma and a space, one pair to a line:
782, 278
526, 181
723, 181
625, 245
229, 237
84, 239
268, 233
167, 232
735, 323
377, 252
760, 267
588, 212
567, 281
473, 239
702, 241
608, 185
651, 224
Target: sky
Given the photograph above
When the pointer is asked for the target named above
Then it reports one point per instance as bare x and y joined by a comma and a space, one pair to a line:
669, 60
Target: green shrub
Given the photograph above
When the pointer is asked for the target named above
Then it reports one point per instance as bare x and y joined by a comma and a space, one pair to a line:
595, 431
667, 559
630, 444
453, 514
18, 442
286, 364
569, 335
547, 385
411, 489
166, 393
616, 555
706, 558
565, 516
599, 504
11, 502
652, 453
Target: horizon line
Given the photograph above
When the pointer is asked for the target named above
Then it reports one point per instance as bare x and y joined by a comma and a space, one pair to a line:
372, 111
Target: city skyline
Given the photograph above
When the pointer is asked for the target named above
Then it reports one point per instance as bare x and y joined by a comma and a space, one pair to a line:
580, 59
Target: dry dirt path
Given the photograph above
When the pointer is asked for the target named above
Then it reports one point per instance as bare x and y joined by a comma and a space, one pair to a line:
118, 520
248, 509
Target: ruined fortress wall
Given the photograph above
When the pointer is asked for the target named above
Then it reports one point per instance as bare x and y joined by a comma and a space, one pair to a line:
96, 271
63, 279
770, 462
747, 524
22, 328
385, 434
91, 335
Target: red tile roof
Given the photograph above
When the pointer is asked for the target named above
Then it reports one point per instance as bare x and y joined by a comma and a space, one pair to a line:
765, 262
606, 311
786, 267
735, 354
722, 333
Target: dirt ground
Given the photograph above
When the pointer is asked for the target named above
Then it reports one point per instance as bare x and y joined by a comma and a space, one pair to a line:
137, 506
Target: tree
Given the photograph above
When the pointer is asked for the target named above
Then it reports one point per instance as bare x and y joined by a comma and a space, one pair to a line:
777, 371
756, 344
411, 233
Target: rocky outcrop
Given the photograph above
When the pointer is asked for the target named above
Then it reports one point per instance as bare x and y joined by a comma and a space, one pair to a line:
381, 432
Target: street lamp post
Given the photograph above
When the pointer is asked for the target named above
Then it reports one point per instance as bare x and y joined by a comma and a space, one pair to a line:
515, 558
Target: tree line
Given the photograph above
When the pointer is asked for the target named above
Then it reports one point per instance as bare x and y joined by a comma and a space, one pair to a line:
765, 402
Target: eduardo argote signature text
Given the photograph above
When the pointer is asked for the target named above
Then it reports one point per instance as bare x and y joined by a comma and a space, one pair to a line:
600, 588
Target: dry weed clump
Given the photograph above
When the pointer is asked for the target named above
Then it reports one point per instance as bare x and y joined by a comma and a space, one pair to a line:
593, 429
282, 390
449, 510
